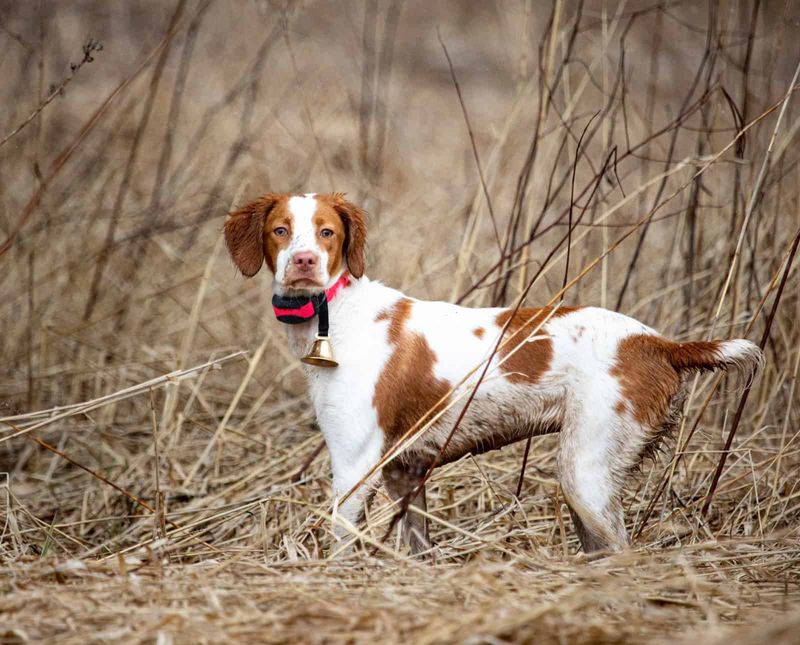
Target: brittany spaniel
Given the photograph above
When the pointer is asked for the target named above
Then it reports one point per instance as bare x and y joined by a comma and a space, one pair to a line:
611, 386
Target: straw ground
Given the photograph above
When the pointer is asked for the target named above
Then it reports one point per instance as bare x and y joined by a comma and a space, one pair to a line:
162, 473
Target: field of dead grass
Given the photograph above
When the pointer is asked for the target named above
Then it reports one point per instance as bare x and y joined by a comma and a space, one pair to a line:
160, 478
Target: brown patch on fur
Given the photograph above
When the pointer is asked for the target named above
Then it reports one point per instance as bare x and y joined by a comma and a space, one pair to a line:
245, 233
649, 371
353, 245
528, 363
280, 215
407, 388
397, 317
479, 332
326, 217
646, 376
699, 354
621, 407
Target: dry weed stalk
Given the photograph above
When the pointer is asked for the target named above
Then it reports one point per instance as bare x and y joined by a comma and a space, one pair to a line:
637, 154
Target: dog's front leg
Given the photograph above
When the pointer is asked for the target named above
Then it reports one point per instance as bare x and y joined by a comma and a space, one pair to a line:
352, 461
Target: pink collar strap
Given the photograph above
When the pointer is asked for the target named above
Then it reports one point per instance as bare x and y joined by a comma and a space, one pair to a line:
299, 309
343, 281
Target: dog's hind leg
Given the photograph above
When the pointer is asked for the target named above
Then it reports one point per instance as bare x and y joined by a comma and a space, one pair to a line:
593, 461
400, 481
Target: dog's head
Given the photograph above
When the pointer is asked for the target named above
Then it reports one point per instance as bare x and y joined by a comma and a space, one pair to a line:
305, 240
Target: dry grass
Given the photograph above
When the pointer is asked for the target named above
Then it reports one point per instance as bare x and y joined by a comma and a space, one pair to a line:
152, 489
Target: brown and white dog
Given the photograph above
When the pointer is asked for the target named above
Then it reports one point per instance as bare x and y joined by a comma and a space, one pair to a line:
610, 385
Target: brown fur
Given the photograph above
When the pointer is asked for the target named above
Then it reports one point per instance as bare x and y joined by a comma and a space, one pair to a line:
355, 240
699, 354
278, 216
244, 233
648, 369
327, 217
479, 331
528, 363
646, 377
407, 387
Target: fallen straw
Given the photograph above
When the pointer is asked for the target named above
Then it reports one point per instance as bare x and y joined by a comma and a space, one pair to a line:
120, 395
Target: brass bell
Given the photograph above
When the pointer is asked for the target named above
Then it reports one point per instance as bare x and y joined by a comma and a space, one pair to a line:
321, 353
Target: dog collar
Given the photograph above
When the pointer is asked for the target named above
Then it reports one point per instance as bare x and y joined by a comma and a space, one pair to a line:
294, 310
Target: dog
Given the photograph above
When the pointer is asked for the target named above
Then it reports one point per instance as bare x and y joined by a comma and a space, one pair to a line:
609, 385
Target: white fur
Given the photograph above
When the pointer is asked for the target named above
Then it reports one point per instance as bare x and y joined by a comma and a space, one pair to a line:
744, 355
342, 397
584, 350
448, 330
304, 238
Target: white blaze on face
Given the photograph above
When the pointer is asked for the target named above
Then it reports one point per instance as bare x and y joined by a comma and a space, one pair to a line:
304, 238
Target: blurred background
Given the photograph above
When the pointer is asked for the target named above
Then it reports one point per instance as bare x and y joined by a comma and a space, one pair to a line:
474, 134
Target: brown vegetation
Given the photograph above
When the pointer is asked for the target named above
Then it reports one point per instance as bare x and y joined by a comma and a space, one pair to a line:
163, 486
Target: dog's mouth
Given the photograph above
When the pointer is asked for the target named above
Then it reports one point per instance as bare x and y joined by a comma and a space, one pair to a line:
302, 285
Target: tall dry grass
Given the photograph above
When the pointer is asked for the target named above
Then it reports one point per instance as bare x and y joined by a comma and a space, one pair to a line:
162, 479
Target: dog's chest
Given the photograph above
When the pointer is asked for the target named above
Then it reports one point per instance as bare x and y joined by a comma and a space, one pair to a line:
343, 396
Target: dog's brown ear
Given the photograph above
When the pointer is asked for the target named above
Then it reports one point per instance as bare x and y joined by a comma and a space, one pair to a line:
244, 234
355, 236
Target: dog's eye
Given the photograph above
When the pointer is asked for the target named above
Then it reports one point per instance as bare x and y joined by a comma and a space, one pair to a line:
326, 232
281, 231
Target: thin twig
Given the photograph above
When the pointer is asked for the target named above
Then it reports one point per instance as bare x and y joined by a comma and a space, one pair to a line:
69, 150
743, 401
89, 49
475, 154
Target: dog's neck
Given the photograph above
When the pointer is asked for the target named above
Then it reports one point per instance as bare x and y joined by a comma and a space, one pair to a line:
301, 336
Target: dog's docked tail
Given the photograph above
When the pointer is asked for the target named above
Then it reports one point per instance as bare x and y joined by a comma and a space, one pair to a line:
740, 354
